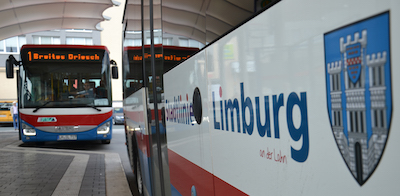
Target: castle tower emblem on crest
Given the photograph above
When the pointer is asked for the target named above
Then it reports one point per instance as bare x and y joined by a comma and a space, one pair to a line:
359, 97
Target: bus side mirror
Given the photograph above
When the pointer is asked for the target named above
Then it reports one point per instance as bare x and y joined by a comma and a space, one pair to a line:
114, 72
114, 69
10, 66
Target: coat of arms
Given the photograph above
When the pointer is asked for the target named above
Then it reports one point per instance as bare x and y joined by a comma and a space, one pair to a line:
359, 100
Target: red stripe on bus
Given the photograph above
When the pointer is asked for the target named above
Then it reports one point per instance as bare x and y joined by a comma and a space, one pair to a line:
223, 188
184, 174
137, 116
153, 115
143, 143
67, 120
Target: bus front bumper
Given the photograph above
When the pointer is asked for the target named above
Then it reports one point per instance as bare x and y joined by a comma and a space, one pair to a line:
101, 132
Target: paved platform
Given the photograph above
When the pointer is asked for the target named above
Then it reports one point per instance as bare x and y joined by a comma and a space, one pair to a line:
55, 172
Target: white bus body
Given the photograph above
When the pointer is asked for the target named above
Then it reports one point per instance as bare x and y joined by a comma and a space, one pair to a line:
317, 95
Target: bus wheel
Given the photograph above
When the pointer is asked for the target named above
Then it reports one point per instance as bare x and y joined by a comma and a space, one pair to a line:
105, 141
139, 180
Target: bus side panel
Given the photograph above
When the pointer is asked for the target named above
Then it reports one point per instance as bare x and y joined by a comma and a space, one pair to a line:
279, 122
145, 160
137, 136
188, 142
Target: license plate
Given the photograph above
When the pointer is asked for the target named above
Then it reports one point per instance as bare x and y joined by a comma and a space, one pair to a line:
67, 137
3, 115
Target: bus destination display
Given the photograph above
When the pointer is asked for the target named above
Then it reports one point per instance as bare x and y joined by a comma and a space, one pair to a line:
60, 56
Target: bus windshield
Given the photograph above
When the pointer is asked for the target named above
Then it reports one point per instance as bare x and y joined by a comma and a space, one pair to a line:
65, 84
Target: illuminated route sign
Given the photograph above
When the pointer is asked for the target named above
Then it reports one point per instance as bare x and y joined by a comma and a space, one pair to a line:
36, 56
67, 54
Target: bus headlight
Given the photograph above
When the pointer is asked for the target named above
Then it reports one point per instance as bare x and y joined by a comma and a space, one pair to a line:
104, 129
28, 130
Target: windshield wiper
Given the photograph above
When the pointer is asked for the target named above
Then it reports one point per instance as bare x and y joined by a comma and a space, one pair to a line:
94, 107
37, 108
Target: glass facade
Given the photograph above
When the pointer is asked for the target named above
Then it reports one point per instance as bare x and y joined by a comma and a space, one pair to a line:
12, 44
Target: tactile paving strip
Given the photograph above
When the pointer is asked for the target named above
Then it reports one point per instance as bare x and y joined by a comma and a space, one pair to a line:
94, 180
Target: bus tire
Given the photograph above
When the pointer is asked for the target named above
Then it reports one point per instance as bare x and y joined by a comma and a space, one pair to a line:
105, 141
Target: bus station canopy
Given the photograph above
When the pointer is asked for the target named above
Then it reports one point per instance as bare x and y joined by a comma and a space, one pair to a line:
26, 16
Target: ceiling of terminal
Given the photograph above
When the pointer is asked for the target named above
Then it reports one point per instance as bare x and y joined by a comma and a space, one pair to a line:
202, 20
26, 16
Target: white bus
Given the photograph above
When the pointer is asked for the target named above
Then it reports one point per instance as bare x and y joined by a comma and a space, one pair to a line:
298, 100
64, 93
